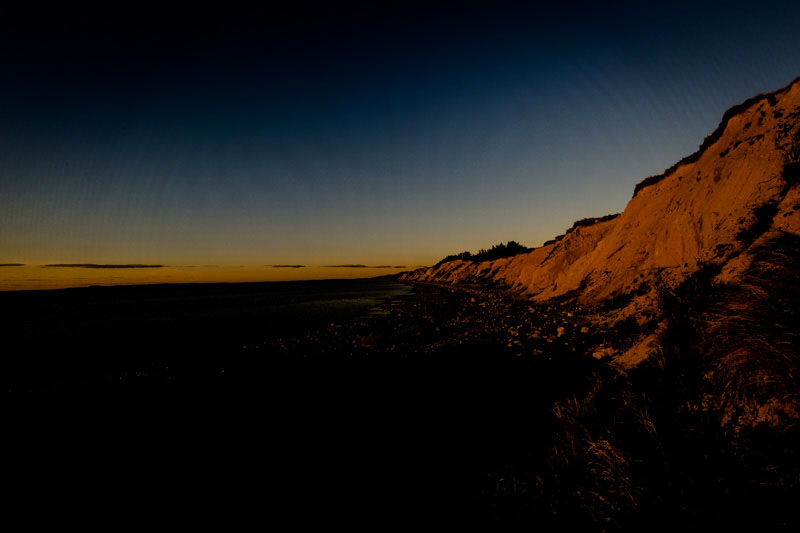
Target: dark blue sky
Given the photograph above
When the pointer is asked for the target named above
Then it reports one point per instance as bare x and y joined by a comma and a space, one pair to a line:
389, 135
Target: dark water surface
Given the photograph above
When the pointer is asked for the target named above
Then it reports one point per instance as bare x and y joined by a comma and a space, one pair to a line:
148, 304
74, 338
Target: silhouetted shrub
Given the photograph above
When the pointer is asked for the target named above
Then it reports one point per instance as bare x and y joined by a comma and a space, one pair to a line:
652, 180
498, 251
463, 256
591, 221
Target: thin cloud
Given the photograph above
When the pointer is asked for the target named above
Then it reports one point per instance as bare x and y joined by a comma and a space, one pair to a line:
12, 264
362, 266
287, 266
92, 265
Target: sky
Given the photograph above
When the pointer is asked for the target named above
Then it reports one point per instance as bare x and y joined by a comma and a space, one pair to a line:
221, 143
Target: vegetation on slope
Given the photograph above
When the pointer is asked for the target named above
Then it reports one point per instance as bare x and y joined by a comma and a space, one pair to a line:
498, 251
591, 221
703, 434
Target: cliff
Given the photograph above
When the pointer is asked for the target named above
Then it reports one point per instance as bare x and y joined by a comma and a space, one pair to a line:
716, 207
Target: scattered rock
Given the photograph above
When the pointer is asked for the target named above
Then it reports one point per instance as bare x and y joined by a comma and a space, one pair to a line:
602, 352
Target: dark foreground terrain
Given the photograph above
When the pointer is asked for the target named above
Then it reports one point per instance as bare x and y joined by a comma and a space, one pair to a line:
446, 409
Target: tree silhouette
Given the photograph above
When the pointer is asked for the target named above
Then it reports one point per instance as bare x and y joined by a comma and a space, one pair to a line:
498, 251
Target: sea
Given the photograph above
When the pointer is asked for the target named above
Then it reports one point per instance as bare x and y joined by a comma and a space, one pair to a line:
34, 317
65, 338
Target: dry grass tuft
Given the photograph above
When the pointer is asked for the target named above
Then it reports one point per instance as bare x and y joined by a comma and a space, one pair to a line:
751, 340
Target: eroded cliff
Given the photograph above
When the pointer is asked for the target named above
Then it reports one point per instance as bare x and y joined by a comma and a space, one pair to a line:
715, 207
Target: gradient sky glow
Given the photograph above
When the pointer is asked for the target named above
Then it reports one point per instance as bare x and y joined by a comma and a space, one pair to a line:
378, 136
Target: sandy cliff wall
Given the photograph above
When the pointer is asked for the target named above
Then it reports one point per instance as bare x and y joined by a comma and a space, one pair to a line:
710, 207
